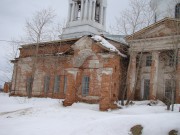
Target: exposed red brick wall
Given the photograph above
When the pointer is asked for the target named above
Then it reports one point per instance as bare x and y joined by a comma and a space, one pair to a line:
71, 91
46, 48
178, 80
107, 95
7, 87
62, 65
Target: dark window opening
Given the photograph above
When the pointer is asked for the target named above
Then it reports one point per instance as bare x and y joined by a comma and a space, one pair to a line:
85, 86
171, 61
146, 89
57, 84
29, 86
65, 84
148, 61
177, 11
79, 10
168, 89
97, 13
171, 58
46, 84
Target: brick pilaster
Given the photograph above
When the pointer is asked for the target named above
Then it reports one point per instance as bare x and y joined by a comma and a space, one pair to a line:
107, 100
178, 80
70, 97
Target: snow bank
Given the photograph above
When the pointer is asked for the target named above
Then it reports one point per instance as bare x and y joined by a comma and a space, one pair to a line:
45, 116
106, 44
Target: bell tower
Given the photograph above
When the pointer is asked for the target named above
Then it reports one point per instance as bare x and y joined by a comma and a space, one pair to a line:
85, 17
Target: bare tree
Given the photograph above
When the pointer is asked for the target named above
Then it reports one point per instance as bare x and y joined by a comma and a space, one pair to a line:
37, 28
172, 58
12, 52
37, 31
137, 16
57, 29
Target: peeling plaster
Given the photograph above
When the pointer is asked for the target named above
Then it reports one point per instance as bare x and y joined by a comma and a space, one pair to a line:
107, 71
73, 72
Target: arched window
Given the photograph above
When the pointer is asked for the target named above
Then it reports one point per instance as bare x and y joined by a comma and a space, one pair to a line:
177, 11
79, 8
97, 12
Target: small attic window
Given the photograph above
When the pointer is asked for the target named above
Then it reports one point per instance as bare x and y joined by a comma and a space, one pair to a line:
177, 11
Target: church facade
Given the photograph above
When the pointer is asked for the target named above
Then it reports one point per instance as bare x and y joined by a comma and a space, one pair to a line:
154, 67
86, 65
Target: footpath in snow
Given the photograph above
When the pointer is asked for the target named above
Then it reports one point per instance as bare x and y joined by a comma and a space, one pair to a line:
44, 116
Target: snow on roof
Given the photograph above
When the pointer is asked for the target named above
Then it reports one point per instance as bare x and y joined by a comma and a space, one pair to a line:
106, 44
117, 38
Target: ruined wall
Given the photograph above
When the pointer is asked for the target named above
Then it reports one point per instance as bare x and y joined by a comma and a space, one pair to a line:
45, 66
178, 79
7, 87
46, 48
22, 69
84, 58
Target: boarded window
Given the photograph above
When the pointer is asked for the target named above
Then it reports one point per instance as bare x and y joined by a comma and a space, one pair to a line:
146, 89
168, 88
85, 86
29, 86
46, 84
148, 61
65, 84
57, 84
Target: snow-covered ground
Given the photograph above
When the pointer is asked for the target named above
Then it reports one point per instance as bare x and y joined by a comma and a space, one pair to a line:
44, 116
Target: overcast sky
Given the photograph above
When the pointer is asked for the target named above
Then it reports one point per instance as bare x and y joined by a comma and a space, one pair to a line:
13, 14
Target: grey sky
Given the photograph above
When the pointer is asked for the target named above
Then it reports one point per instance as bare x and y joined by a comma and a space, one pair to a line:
13, 14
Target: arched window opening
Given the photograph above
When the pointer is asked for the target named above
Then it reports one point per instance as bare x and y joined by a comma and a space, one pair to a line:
79, 10
177, 11
97, 12
92, 11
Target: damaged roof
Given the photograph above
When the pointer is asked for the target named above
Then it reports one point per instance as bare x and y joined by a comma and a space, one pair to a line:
70, 41
117, 38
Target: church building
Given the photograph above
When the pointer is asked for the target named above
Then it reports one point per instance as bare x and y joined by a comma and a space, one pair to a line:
89, 65
85, 65
154, 67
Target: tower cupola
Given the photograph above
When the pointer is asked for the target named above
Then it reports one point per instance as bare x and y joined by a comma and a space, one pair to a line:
85, 17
